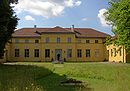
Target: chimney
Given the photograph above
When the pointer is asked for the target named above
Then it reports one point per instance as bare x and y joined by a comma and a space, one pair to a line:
35, 26
72, 28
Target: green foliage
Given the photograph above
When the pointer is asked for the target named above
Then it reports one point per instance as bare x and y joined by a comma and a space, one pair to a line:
119, 17
8, 22
108, 41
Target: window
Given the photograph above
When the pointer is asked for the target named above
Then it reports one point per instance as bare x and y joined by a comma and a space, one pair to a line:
97, 53
16, 52
26, 53
79, 53
69, 40
111, 53
36, 41
26, 41
120, 51
108, 53
16, 41
36, 53
114, 52
79, 41
87, 41
96, 41
87, 52
69, 53
58, 40
47, 53
47, 40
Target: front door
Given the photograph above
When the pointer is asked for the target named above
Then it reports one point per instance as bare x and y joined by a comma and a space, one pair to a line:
58, 54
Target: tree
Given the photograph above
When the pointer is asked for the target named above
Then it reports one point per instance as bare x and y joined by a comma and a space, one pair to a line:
118, 16
8, 22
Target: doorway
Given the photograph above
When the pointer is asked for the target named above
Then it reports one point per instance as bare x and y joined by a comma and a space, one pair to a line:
58, 54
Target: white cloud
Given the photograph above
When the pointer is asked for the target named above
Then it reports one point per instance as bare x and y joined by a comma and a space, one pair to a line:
102, 17
45, 8
72, 3
29, 18
84, 19
78, 3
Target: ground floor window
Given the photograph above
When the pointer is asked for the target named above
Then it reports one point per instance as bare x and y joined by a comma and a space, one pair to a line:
26, 53
69, 53
47, 53
36, 53
79, 53
16, 52
87, 52
97, 53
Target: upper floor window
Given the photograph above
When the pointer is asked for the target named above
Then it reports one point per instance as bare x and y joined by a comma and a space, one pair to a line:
87, 41
16, 52
79, 41
96, 41
69, 40
36, 53
69, 53
79, 53
26, 41
47, 40
87, 52
16, 41
58, 40
26, 52
36, 41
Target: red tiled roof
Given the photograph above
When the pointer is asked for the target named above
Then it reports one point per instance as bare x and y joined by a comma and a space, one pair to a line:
80, 32
56, 29
88, 32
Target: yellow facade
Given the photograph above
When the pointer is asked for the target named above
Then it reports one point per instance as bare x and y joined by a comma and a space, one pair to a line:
117, 54
62, 44
97, 50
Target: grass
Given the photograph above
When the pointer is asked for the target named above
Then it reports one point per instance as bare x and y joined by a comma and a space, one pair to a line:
32, 76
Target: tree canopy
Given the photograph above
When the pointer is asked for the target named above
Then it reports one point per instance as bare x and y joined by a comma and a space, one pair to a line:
119, 17
8, 22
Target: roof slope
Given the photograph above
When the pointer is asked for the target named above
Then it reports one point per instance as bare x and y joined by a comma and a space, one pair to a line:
80, 32
88, 32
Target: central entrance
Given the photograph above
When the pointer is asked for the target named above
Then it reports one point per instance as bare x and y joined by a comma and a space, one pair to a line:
58, 54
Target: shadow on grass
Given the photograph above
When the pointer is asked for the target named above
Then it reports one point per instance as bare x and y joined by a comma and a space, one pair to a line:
33, 78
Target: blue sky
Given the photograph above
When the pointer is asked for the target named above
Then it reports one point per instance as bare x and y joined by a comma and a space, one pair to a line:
64, 13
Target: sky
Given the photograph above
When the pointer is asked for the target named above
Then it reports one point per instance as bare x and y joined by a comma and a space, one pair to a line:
64, 13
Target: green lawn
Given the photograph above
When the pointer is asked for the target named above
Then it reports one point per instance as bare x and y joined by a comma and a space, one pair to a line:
29, 76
